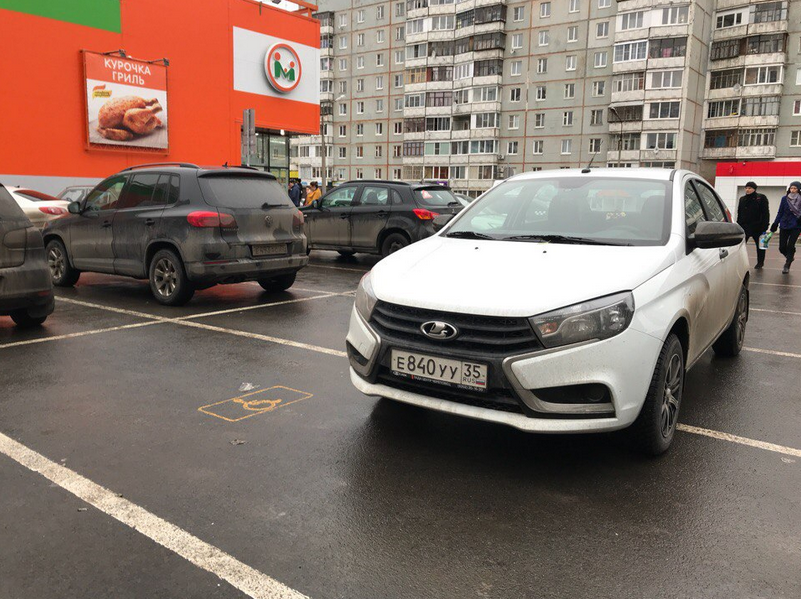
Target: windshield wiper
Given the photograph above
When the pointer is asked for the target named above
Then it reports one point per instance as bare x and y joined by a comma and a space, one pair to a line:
468, 235
561, 239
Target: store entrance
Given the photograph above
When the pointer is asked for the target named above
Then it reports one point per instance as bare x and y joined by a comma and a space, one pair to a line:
272, 154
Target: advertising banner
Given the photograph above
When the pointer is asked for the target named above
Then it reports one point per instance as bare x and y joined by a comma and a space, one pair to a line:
126, 103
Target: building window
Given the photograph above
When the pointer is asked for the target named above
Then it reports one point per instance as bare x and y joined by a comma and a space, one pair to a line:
398, 56
539, 120
511, 147
671, 47
664, 110
326, 86
628, 113
379, 12
379, 128
398, 130
343, 152
485, 120
570, 91
629, 82
604, 3
537, 147
379, 59
360, 62
343, 130
626, 142
343, 109
343, 87
660, 141
600, 60
343, 42
666, 79
596, 117
598, 88
572, 34
517, 41
767, 12
797, 108
570, 63
343, 20
514, 94
360, 39
398, 81
379, 36
518, 13
731, 19
602, 29
567, 118
360, 16
795, 138
763, 75
517, 68
725, 79
595, 145
761, 106
723, 108
540, 93
343, 64
360, 130
400, 9
573, 6
542, 66
514, 121
631, 20
397, 151
629, 51
378, 151
545, 10
360, 107
544, 38
379, 82
756, 137
360, 173
677, 15
567, 146
360, 85
359, 151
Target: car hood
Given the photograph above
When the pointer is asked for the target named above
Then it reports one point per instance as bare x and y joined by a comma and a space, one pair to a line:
503, 278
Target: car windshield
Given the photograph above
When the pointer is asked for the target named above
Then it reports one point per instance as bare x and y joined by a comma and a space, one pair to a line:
436, 196
73, 195
575, 209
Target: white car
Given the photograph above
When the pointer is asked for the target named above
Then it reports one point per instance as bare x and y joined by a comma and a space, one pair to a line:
39, 207
559, 302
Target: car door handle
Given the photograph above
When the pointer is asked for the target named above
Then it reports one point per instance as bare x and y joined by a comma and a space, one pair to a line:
723, 253
106, 224
150, 222
382, 213
344, 215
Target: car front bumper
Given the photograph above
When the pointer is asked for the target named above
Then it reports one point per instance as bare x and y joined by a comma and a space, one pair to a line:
244, 269
623, 364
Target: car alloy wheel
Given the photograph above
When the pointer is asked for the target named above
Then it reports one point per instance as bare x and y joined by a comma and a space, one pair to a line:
55, 260
672, 395
742, 317
165, 277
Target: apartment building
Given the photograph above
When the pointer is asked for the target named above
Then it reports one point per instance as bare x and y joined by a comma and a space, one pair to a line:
473, 91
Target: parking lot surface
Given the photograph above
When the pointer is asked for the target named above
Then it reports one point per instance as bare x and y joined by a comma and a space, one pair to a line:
233, 456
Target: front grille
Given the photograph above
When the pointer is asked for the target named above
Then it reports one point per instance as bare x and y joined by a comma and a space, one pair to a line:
489, 335
493, 399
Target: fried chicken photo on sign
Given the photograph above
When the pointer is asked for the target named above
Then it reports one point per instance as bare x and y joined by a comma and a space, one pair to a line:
119, 119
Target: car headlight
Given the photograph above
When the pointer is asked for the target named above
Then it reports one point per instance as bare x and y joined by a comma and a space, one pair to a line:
365, 298
593, 320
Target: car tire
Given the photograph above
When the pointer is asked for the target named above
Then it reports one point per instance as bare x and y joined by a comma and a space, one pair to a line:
393, 243
61, 271
24, 320
168, 280
280, 283
346, 253
730, 342
653, 430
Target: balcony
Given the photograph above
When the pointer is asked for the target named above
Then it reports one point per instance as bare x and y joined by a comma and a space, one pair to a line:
412, 112
737, 122
625, 126
490, 27
437, 135
415, 62
458, 134
660, 125
326, 53
672, 62
628, 97
490, 80
438, 110
728, 33
326, 96
413, 159
658, 155
485, 107
739, 153
769, 89
485, 3
629, 66
653, 95
625, 156
459, 159
415, 136
485, 133
326, 30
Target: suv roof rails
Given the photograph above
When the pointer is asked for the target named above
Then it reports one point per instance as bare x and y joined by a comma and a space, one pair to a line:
157, 164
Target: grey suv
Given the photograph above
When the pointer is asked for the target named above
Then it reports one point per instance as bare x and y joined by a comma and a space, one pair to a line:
184, 228
26, 293
376, 217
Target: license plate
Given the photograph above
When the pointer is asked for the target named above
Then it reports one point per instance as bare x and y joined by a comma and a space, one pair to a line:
275, 249
467, 375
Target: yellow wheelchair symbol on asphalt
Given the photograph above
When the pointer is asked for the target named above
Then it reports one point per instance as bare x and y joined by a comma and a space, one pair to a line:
247, 405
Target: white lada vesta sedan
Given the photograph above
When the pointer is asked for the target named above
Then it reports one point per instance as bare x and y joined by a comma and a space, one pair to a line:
559, 302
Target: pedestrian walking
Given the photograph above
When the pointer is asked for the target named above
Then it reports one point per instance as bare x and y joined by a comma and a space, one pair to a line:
295, 193
753, 215
788, 220
314, 193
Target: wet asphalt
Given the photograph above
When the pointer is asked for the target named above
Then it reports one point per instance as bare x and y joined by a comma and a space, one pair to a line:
341, 496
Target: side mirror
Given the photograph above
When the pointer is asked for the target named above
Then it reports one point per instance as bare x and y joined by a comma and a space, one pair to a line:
316, 204
717, 235
440, 221
74, 208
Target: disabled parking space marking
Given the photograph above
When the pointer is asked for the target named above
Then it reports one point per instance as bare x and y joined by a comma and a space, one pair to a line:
241, 407
248, 580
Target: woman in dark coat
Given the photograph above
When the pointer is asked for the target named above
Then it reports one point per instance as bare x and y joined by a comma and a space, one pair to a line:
789, 220
753, 215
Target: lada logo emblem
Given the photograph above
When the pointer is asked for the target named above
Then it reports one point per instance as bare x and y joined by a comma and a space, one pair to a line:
268, 221
436, 329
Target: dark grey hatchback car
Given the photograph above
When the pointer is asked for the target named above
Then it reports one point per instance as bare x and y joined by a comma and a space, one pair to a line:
184, 228
26, 293
376, 217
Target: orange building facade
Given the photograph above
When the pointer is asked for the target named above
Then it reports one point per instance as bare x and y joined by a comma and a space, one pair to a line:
187, 71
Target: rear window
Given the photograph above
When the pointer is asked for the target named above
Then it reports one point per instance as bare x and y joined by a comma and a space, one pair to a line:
436, 196
73, 195
243, 192
8, 206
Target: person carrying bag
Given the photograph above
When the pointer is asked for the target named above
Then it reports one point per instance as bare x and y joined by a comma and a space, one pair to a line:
789, 221
753, 215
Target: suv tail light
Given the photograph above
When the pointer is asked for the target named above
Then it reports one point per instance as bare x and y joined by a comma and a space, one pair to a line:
298, 219
52, 210
206, 219
424, 214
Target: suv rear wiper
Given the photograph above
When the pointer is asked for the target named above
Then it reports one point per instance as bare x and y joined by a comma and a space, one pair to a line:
266, 205
455, 203
468, 235
562, 239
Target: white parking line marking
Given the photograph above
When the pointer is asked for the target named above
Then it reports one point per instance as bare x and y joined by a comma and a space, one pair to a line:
783, 354
109, 308
775, 284
695, 430
203, 555
774, 311
80, 334
338, 268
278, 340
246, 308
